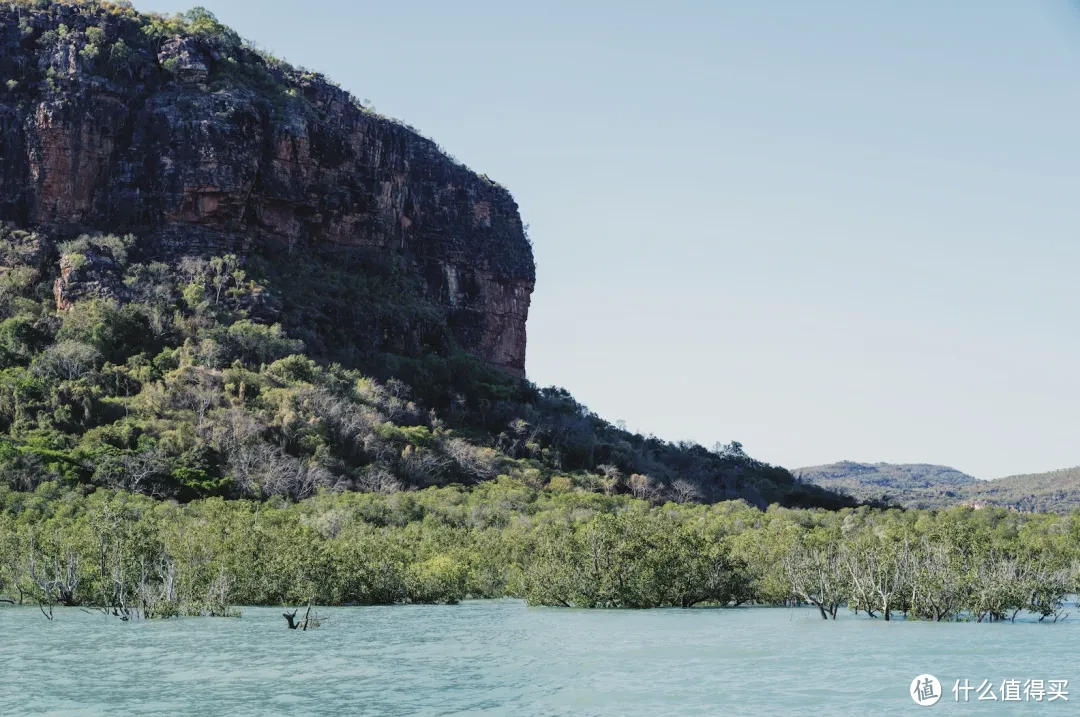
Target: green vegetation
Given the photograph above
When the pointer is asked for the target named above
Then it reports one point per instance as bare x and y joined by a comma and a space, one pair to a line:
113, 40
187, 381
272, 377
554, 546
180, 434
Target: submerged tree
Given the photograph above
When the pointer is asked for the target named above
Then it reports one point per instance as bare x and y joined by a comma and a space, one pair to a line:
817, 576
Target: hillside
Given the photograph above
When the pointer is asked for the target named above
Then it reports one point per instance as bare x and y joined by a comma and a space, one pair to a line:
930, 486
912, 484
222, 276
1054, 492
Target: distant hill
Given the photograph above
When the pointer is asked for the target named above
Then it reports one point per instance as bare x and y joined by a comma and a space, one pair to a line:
921, 485
1054, 492
909, 484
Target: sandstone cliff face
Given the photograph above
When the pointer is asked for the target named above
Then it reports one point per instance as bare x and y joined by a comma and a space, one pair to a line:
194, 142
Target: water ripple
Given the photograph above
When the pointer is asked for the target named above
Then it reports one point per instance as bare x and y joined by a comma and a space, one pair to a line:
501, 658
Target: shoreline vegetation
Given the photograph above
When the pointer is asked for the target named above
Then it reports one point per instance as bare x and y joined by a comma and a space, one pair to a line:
572, 548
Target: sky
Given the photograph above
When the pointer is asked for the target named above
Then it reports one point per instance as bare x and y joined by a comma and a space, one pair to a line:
830, 230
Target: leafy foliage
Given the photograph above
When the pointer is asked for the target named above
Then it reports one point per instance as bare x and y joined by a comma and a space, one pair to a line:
264, 377
558, 546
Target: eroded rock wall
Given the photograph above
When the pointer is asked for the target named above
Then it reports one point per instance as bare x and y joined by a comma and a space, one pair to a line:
191, 131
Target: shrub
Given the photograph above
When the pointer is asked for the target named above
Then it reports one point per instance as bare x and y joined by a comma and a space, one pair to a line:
67, 360
257, 343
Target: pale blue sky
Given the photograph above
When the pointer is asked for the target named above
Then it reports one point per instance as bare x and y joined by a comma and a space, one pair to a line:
840, 229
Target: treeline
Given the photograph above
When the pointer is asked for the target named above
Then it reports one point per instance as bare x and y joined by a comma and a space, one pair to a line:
553, 546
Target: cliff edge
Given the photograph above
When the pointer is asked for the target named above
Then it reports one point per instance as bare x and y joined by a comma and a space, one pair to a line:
175, 130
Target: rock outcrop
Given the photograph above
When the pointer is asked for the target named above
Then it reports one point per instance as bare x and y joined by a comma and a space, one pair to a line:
165, 127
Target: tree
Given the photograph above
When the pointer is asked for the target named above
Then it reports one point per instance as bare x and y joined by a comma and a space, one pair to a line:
685, 491
817, 576
940, 587
67, 361
610, 478
131, 470
879, 572
642, 486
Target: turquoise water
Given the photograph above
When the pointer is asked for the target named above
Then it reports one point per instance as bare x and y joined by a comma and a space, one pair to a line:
502, 658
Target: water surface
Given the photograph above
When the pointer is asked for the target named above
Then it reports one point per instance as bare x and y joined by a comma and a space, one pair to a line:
503, 658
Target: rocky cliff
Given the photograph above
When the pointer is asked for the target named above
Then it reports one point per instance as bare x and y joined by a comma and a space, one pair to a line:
173, 129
